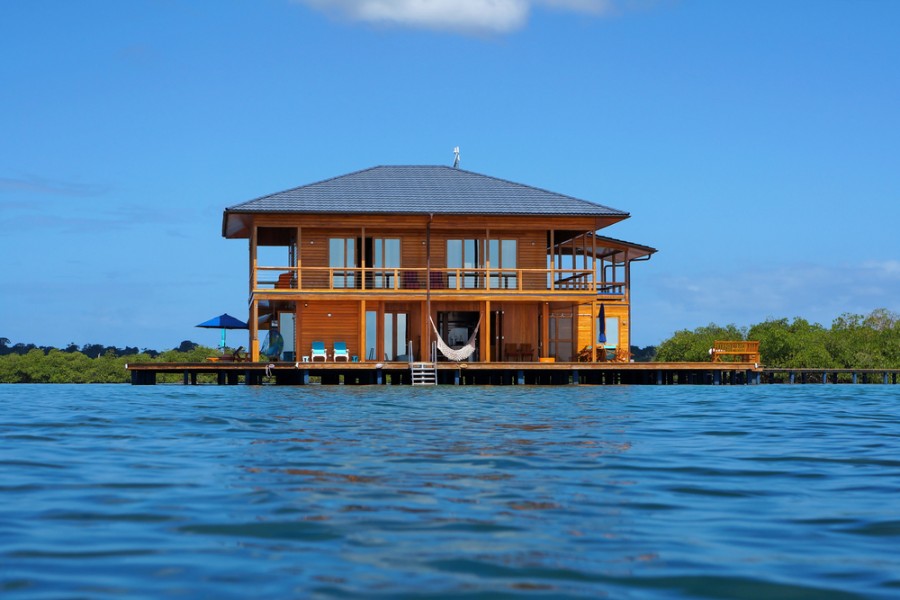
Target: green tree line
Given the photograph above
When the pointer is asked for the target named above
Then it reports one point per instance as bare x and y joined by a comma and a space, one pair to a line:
852, 342
27, 363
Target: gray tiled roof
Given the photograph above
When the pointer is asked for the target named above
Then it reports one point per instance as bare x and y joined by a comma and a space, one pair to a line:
422, 190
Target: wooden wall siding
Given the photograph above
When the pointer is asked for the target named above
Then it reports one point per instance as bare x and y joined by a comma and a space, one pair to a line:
584, 326
342, 326
520, 323
585, 329
412, 248
533, 255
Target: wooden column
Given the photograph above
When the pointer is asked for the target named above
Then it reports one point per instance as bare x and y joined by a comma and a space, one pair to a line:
552, 260
254, 330
545, 330
299, 261
362, 331
593, 331
487, 262
254, 305
298, 264
362, 261
425, 344
486, 332
627, 328
427, 334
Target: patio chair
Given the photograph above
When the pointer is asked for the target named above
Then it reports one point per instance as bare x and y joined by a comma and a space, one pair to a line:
237, 356
526, 352
410, 280
340, 351
318, 351
285, 281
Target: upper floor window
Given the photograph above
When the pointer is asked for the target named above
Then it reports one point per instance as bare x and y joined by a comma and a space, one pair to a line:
502, 256
476, 254
342, 258
464, 254
385, 257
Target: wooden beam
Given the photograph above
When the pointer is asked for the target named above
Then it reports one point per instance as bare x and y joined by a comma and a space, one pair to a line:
254, 330
486, 333
362, 331
545, 330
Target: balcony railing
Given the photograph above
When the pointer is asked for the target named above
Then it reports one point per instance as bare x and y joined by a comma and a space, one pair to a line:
441, 280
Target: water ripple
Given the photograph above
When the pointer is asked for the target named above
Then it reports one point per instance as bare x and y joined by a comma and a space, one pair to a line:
575, 492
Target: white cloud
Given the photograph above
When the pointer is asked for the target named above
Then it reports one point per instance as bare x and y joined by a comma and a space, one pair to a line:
476, 16
43, 185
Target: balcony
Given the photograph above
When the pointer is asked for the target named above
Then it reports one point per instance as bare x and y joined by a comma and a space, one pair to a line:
443, 281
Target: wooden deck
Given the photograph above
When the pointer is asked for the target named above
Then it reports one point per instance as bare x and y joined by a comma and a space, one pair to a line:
398, 373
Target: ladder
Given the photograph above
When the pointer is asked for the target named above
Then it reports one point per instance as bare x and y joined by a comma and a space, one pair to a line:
423, 373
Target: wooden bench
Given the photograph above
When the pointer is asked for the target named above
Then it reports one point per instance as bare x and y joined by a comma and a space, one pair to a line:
743, 351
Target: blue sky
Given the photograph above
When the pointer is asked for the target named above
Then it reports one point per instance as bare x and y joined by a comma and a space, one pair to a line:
754, 143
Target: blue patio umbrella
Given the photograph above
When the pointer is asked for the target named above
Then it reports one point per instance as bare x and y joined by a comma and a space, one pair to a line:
223, 322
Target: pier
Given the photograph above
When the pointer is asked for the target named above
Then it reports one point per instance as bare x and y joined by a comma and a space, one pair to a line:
466, 373
515, 373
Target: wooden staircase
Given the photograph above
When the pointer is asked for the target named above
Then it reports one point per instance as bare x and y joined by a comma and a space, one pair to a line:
423, 373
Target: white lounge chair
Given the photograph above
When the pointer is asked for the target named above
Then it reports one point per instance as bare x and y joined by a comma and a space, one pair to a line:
340, 351
318, 351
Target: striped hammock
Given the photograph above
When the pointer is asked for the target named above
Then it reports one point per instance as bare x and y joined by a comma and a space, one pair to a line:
457, 355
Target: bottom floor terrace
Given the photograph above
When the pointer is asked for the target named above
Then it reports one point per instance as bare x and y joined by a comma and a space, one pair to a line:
509, 331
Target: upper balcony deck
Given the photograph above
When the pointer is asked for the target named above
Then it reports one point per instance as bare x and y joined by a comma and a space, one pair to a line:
286, 282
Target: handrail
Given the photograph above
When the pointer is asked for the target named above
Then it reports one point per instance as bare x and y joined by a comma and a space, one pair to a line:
440, 279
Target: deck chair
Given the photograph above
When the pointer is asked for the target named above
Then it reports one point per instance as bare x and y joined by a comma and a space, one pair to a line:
340, 351
526, 352
410, 280
318, 351
285, 281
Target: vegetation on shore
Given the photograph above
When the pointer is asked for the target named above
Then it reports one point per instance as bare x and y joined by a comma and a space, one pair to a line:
852, 342
91, 363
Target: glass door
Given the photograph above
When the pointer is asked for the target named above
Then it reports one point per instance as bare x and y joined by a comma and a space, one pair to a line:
464, 254
342, 258
561, 339
385, 260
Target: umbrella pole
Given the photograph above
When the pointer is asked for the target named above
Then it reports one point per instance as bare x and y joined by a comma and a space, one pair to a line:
223, 341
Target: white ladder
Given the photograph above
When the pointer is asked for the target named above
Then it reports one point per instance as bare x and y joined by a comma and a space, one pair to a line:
423, 373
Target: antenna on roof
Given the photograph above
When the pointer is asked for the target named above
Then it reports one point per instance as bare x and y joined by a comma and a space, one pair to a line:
456, 157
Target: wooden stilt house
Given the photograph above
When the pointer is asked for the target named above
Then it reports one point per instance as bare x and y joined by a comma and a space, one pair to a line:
390, 259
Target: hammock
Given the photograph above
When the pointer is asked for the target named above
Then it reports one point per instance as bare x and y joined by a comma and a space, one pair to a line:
272, 345
457, 355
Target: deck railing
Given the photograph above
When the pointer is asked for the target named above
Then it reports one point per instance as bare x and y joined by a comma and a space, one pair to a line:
441, 280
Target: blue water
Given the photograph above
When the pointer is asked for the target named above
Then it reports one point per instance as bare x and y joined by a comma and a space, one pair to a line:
756, 492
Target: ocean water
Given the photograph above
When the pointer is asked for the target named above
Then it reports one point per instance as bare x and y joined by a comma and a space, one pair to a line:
757, 492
